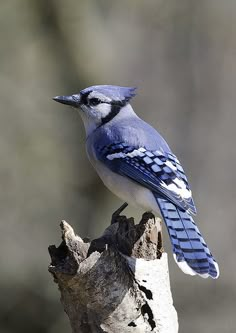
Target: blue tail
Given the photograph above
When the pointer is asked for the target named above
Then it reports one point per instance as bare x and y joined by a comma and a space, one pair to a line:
189, 248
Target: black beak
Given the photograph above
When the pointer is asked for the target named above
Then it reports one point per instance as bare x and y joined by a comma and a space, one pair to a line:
72, 100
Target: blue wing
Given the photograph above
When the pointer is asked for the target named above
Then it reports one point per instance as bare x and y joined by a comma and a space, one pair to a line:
157, 170
161, 172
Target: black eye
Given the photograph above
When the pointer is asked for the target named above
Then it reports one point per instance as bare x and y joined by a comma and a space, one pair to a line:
94, 101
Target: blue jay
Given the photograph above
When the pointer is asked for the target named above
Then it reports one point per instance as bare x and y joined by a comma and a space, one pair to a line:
136, 164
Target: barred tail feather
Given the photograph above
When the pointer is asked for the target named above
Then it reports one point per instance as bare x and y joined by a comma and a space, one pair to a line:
189, 248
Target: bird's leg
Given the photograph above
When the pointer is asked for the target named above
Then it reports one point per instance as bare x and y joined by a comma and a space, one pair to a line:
116, 214
100, 244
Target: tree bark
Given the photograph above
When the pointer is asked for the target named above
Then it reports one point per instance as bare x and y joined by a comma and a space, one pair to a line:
117, 283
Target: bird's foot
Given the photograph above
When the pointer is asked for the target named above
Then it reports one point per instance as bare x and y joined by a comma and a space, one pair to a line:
101, 243
116, 214
147, 216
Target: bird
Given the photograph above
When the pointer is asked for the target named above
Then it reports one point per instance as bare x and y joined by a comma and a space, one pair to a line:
135, 163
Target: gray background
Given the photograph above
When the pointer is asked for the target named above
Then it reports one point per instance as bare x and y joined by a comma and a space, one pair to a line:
182, 56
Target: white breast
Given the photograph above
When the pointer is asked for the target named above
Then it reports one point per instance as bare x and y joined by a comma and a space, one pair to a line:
124, 188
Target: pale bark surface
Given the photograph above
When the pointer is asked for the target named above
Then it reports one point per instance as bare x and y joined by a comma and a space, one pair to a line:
117, 283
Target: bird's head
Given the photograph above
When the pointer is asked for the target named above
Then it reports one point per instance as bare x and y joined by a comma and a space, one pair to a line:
99, 104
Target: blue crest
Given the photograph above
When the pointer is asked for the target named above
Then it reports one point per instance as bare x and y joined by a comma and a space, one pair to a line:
116, 93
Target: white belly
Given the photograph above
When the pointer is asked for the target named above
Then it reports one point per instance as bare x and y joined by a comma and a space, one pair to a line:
127, 190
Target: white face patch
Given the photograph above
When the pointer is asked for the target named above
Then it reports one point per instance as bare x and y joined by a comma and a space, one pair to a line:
101, 110
97, 111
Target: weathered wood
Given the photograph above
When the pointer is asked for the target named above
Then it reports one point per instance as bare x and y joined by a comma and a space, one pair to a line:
117, 283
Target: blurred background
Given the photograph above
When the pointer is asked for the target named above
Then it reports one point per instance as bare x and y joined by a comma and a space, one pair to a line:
182, 56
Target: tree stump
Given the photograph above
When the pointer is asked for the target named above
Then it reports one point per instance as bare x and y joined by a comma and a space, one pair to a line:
118, 282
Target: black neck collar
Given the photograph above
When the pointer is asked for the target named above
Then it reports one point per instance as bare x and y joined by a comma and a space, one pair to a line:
115, 109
